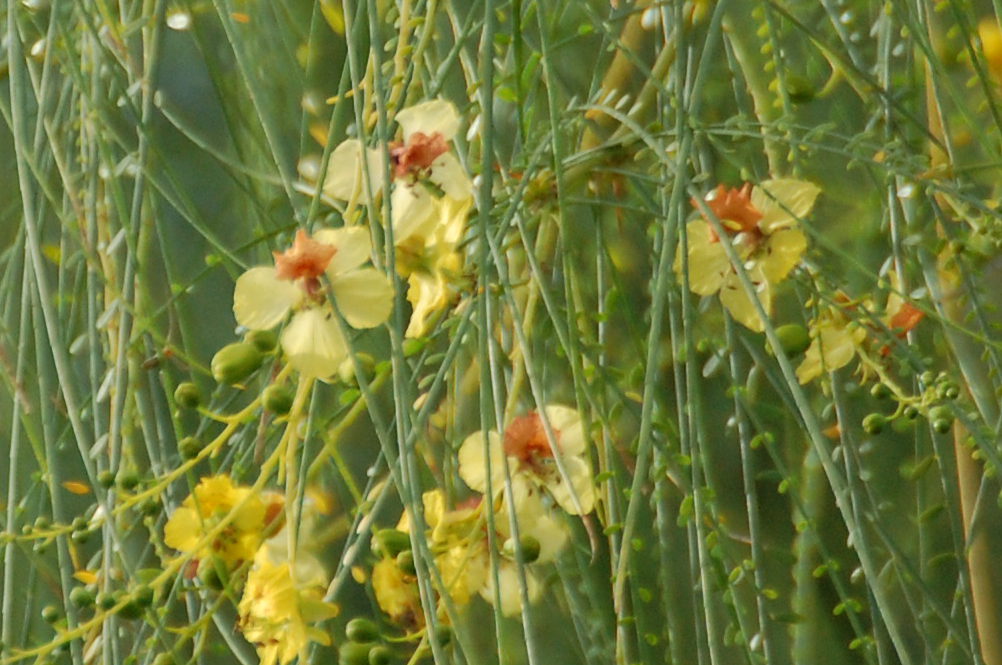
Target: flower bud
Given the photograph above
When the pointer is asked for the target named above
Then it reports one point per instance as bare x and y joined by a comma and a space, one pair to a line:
405, 561
264, 340
346, 370
362, 630
793, 338
353, 653
277, 399
235, 362
530, 548
189, 447
50, 614
82, 597
390, 542
874, 423
880, 391
106, 479
188, 395
380, 655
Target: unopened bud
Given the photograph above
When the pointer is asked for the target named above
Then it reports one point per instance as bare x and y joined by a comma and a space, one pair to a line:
188, 395
390, 542
235, 362
277, 399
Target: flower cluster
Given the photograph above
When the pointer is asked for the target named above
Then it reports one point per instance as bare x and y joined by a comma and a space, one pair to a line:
430, 199
763, 226
235, 535
548, 473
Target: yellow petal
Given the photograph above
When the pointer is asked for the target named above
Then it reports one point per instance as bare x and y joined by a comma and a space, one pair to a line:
579, 473
708, 264
435, 116
473, 462
737, 302
450, 175
261, 300
353, 245
85, 577
782, 201
364, 296
76, 487
414, 212
344, 178
781, 253
313, 343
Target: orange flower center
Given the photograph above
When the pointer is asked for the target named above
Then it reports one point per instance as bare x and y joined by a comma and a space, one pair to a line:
307, 259
525, 440
418, 154
734, 208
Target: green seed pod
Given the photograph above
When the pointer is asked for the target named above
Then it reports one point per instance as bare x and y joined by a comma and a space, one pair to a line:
106, 479
874, 423
362, 630
264, 340
880, 391
277, 399
82, 597
380, 655
405, 561
793, 338
235, 362
50, 614
188, 395
353, 653
189, 447
390, 542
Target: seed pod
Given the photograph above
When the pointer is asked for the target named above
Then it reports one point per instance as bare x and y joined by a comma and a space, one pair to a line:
277, 399
235, 362
188, 395
362, 630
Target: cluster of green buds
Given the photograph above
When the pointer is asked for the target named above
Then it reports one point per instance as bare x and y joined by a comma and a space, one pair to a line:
932, 403
364, 645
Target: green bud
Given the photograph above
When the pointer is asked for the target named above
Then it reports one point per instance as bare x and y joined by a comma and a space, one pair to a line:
927, 378
149, 508
390, 542
80, 537
79, 523
405, 561
942, 425
264, 340
189, 447
948, 390
128, 480
346, 370
793, 338
235, 362
50, 614
880, 391
362, 630
106, 601
380, 655
941, 413
277, 399
799, 89
188, 395
106, 479
42, 523
213, 574
874, 423
143, 595
910, 412
131, 610
82, 597
353, 653
530, 548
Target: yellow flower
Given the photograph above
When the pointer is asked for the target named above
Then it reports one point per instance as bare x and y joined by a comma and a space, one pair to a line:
216, 498
397, 594
991, 42
762, 225
312, 341
431, 198
531, 460
835, 342
279, 604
